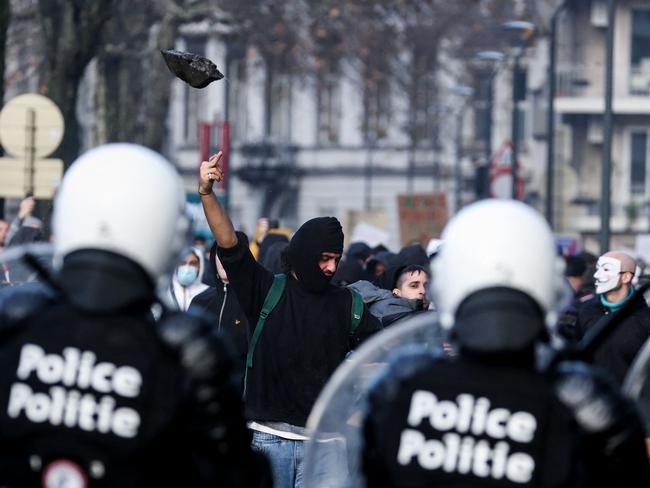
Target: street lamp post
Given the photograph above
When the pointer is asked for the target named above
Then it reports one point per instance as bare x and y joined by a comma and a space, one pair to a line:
605, 208
491, 58
522, 31
514, 152
463, 92
550, 113
225, 130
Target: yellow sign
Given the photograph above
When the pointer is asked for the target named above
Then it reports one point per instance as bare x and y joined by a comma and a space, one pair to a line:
15, 177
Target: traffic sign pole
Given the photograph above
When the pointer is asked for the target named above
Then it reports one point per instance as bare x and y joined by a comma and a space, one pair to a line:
30, 150
31, 128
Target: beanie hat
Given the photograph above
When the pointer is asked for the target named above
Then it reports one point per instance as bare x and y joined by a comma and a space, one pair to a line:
575, 266
322, 234
359, 250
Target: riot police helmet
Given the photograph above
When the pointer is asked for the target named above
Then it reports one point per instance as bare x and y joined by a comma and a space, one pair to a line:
124, 199
499, 271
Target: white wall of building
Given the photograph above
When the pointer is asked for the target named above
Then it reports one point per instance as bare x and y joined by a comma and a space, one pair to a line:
332, 177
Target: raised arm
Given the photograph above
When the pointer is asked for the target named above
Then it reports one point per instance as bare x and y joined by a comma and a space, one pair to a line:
218, 220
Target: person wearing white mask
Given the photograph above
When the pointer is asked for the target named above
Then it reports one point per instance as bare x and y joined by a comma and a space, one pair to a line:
613, 279
187, 279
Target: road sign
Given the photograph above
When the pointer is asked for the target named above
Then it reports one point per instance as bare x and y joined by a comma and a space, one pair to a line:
30, 116
14, 177
31, 127
501, 174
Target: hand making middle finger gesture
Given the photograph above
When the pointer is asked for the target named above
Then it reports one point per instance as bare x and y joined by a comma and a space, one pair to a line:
209, 172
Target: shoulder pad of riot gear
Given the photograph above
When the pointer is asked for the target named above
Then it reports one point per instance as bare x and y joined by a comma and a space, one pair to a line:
200, 351
209, 367
18, 303
596, 402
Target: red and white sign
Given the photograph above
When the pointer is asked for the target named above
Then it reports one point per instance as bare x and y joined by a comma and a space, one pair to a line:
501, 174
63, 472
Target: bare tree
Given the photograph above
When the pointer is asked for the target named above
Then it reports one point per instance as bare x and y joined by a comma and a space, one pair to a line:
278, 31
5, 13
72, 34
134, 83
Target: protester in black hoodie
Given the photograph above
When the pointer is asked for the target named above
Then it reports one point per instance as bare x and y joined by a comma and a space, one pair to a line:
305, 337
221, 303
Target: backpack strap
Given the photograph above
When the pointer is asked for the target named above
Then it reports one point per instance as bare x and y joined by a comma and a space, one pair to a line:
357, 311
271, 300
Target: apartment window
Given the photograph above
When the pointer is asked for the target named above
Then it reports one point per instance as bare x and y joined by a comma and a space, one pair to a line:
640, 36
377, 110
329, 109
238, 109
281, 107
639, 161
424, 109
522, 116
192, 97
640, 53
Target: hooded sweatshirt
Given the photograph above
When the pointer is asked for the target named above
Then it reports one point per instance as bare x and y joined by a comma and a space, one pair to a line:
384, 305
306, 336
220, 303
181, 296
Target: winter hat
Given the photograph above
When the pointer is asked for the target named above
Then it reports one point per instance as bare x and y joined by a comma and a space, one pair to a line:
359, 250
322, 234
413, 254
575, 266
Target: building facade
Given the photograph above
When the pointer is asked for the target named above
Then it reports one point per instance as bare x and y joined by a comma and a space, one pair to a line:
580, 106
317, 146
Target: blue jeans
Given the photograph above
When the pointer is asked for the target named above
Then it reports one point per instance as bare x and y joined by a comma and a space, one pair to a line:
285, 457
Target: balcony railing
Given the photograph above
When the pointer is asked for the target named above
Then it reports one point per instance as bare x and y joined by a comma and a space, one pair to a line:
640, 78
578, 80
587, 80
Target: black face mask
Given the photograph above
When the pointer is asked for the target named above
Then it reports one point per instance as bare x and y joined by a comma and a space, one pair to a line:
416, 303
316, 236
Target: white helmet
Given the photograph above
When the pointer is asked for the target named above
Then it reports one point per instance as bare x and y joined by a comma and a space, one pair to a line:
497, 243
122, 198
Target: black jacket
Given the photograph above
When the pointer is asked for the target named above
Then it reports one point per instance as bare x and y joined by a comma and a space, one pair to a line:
89, 378
459, 422
304, 339
617, 350
227, 317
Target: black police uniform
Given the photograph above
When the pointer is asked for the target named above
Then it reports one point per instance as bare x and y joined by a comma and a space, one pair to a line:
491, 418
95, 393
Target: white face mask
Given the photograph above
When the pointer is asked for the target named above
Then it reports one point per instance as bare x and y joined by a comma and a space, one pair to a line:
607, 275
186, 274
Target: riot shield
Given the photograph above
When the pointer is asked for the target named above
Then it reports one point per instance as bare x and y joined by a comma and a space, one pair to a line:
637, 384
333, 453
25, 264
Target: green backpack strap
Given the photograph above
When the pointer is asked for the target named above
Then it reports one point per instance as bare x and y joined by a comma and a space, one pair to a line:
357, 311
271, 300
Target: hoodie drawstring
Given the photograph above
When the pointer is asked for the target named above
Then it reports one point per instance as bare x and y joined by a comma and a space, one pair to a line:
223, 305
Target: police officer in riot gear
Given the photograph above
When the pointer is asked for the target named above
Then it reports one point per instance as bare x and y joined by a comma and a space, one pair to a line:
490, 416
93, 391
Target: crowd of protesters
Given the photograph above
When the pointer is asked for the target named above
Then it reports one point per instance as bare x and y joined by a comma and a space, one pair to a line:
293, 305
